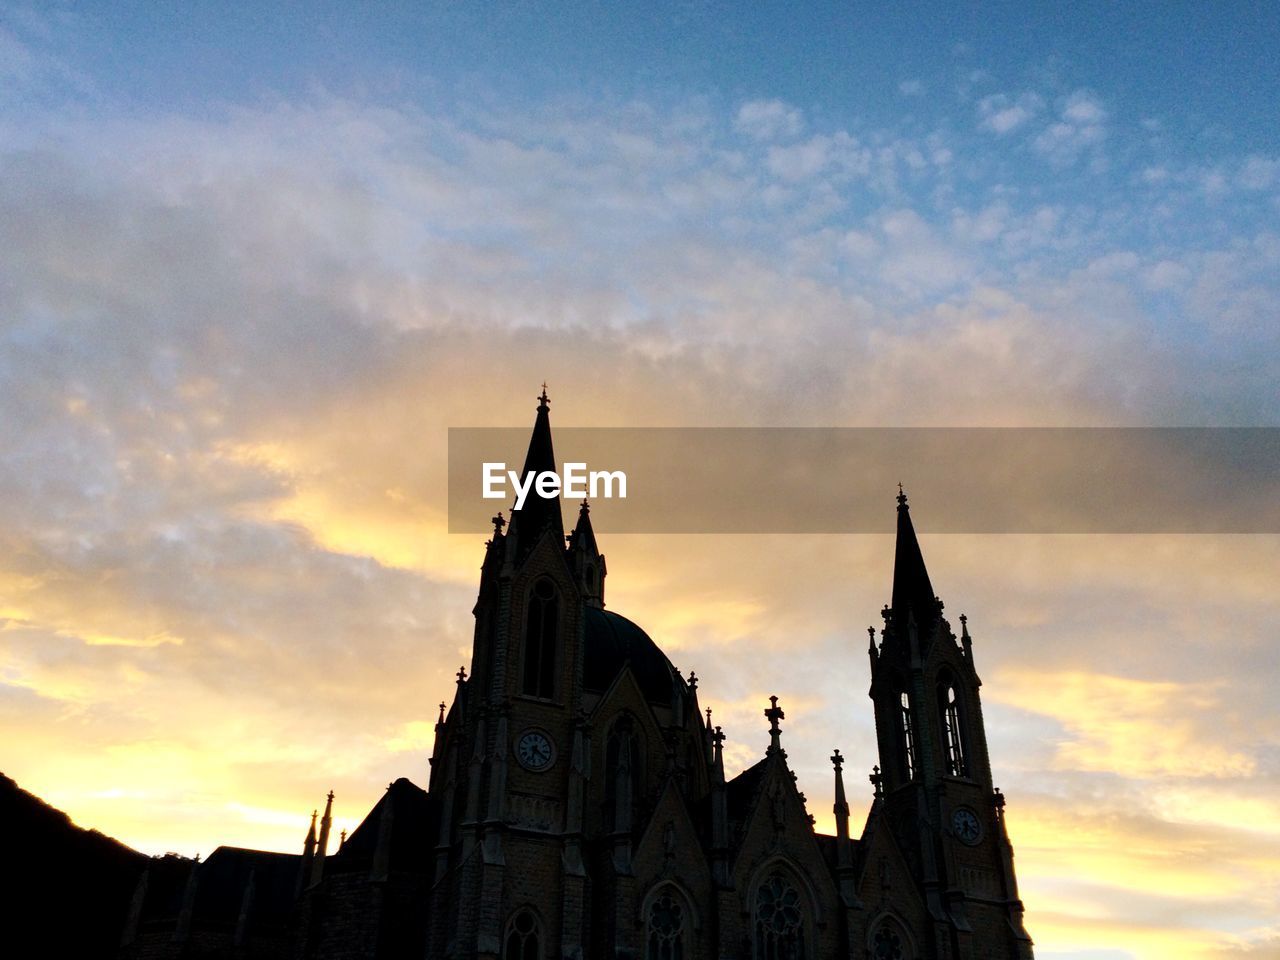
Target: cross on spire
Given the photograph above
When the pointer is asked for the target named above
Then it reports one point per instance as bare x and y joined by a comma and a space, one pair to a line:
773, 715
877, 781
717, 737
461, 675
693, 680
498, 523
837, 761
543, 400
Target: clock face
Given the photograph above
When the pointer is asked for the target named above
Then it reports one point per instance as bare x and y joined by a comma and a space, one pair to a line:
535, 750
965, 825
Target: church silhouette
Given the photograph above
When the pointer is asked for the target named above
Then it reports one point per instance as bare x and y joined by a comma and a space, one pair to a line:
578, 807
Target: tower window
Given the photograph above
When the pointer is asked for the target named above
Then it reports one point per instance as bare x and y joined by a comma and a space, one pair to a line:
779, 921
949, 703
624, 780
887, 943
540, 641
522, 937
908, 737
665, 940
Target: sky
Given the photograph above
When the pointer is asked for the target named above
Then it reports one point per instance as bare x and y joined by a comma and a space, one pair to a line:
257, 259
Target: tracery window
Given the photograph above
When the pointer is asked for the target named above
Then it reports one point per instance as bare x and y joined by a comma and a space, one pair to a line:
908, 737
541, 624
521, 942
949, 707
779, 921
887, 943
665, 939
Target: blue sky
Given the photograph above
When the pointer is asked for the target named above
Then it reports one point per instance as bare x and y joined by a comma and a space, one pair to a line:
1208, 71
258, 258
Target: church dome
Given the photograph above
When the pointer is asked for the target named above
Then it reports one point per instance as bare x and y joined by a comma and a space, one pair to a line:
613, 640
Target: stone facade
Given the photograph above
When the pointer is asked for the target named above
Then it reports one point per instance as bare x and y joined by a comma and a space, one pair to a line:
578, 805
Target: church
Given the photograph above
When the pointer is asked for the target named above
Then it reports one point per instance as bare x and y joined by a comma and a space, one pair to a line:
578, 806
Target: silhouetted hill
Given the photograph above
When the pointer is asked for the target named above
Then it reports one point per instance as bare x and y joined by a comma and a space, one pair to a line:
66, 890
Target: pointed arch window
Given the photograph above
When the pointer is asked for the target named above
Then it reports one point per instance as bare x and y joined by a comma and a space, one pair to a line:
952, 731
541, 625
664, 939
908, 736
623, 775
889, 943
521, 941
779, 921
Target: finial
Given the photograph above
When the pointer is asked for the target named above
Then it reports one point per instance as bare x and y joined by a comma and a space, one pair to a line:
342, 839
330, 797
498, 524
837, 761
693, 680
717, 737
461, 675
543, 400
964, 627
877, 781
902, 497
585, 507
773, 715
440, 719
708, 718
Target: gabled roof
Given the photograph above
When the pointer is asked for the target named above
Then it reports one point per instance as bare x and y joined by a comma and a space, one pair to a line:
411, 839
741, 791
222, 879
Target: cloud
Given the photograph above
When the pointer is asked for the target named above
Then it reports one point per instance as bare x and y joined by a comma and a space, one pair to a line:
1258, 173
1000, 114
232, 347
1081, 125
1139, 728
768, 120
911, 88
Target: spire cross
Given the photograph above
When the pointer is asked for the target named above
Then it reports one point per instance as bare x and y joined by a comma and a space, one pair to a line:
693, 680
708, 717
543, 400
877, 781
902, 497
461, 675
837, 761
773, 715
498, 523
717, 737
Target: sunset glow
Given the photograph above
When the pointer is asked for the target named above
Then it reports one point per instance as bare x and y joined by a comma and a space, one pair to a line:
250, 282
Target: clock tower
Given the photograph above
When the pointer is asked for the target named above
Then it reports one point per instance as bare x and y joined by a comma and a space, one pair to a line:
511, 756
933, 788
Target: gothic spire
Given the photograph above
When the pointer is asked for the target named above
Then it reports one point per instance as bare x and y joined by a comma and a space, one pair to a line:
322, 845
586, 560
912, 591
538, 513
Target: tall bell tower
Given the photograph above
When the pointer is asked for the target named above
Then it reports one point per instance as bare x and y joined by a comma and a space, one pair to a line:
511, 772
935, 782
